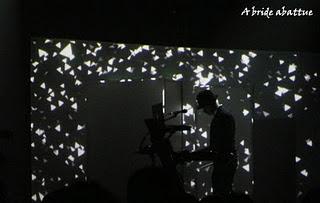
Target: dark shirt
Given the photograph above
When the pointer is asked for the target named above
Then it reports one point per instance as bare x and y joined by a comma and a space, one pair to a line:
222, 132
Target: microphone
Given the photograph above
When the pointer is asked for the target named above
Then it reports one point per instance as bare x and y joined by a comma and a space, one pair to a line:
178, 127
177, 112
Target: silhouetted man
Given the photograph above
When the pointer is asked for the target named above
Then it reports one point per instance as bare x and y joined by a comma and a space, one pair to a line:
221, 149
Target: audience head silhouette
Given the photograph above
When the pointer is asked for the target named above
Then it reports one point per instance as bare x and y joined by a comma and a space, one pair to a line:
80, 192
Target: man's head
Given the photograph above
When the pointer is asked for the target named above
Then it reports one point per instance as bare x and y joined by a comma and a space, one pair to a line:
207, 101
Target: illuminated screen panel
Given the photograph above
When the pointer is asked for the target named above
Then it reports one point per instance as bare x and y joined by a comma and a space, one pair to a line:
278, 84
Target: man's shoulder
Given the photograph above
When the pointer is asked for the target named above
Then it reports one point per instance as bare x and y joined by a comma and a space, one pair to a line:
226, 114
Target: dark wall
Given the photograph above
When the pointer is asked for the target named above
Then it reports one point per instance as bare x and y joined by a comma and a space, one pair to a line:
15, 165
215, 24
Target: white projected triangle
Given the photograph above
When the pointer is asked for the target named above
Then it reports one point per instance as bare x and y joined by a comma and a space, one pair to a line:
67, 52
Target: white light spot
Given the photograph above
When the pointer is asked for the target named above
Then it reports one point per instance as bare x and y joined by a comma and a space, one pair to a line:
252, 54
52, 94
43, 85
297, 159
80, 127
153, 70
169, 53
71, 72
121, 46
266, 113
245, 59
231, 51
256, 105
109, 69
180, 49
286, 107
88, 63
292, 68
240, 74
59, 69
78, 82
309, 142
146, 47
281, 91
35, 63
187, 144
203, 81
34, 197
130, 69
56, 152
42, 53
110, 61
198, 69
75, 106
39, 132
297, 97
77, 145
66, 67
176, 77
281, 62
156, 58
204, 134
58, 128
304, 172
189, 110
58, 45
246, 167
200, 53
245, 69
71, 158
220, 59
245, 112
246, 151
266, 84
307, 77
67, 52
293, 78
215, 54
52, 107
80, 152
242, 142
